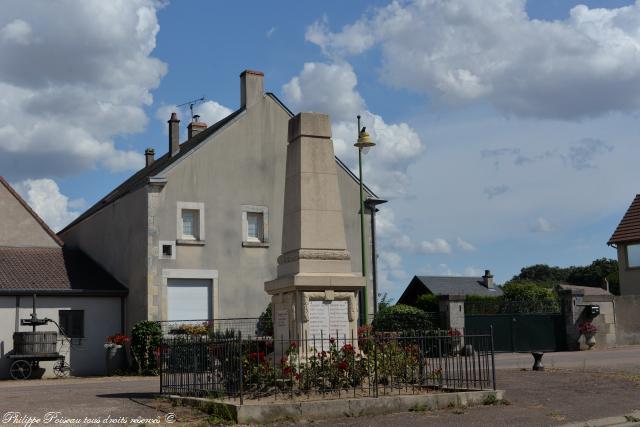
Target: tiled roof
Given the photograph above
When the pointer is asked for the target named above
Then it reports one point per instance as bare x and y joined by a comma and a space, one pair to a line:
53, 270
26, 206
446, 285
629, 228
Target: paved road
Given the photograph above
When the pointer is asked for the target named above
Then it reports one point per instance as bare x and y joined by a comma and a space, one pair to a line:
567, 392
611, 358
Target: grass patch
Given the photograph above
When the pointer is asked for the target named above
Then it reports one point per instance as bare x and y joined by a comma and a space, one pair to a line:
491, 399
631, 419
419, 408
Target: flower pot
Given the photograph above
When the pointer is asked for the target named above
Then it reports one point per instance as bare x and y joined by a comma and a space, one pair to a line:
115, 358
591, 341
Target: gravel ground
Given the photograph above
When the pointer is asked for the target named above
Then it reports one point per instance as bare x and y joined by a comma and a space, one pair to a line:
553, 397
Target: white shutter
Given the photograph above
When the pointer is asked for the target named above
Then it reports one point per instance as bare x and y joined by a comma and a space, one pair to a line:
188, 299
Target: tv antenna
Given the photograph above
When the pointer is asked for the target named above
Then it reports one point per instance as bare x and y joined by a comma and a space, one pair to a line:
191, 104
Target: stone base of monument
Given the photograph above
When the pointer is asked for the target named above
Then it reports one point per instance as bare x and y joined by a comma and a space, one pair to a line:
268, 411
313, 320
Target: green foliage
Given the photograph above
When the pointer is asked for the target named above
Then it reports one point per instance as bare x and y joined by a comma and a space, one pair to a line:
482, 298
530, 297
428, 303
400, 318
145, 342
384, 301
591, 275
265, 323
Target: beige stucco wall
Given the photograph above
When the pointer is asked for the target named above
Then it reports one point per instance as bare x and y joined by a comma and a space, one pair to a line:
629, 277
116, 238
627, 309
18, 227
86, 356
243, 164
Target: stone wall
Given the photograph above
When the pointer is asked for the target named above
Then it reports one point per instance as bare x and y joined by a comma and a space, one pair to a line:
627, 309
574, 303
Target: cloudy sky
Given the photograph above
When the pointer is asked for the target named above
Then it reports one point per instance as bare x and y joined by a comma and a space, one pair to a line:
507, 130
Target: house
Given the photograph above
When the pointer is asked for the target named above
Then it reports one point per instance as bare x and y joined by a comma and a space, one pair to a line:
626, 240
197, 231
71, 289
449, 285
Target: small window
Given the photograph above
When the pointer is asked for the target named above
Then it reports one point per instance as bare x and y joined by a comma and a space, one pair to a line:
190, 224
72, 323
633, 255
254, 227
167, 250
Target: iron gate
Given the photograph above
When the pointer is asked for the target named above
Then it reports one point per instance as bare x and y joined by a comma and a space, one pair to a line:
515, 331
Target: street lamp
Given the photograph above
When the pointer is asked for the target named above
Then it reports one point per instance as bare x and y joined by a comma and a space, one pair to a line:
364, 143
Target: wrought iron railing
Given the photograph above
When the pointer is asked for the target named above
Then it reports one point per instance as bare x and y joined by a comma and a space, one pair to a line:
236, 367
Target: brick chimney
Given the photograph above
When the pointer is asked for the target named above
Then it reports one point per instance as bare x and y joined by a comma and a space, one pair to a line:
488, 279
174, 134
196, 126
251, 87
149, 154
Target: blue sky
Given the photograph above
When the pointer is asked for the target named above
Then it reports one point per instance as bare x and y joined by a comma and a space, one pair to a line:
506, 130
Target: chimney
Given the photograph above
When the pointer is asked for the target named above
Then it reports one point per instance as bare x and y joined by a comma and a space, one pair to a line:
251, 87
196, 126
148, 156
174, 134
488, 279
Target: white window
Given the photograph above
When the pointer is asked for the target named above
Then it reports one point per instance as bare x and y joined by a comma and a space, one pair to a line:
255, 226
633, 255
190, 223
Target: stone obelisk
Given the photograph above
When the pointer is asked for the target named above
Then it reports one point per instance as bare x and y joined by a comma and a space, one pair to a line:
315, 293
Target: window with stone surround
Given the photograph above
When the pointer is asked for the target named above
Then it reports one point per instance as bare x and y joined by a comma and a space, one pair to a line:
255, 226
190, 223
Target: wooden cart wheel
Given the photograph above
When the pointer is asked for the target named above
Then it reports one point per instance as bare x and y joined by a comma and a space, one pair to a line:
20, 370
61, 369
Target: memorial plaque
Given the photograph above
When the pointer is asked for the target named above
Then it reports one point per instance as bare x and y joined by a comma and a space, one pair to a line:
281, 324
327, 317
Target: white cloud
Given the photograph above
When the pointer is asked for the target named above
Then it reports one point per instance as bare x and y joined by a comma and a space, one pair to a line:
331, 89
541, 225
465, 50
73, 77
210, 112
582, 154
16, 31
435, 246
464, 245
44, 197
326, 88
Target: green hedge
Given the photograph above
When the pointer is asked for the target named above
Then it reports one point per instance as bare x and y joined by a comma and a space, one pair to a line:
145, 341
401, 318
429, 303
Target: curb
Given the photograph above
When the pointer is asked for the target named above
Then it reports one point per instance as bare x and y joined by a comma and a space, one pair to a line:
632, 419
268, 412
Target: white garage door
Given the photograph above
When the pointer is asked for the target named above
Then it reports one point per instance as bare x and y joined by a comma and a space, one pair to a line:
189, 299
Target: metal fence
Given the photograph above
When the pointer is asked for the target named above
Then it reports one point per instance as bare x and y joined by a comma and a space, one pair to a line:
247, 326
232, 366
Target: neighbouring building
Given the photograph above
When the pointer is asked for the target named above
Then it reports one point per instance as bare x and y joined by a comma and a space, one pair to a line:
449, 285
626, 240
197, 231
72, 290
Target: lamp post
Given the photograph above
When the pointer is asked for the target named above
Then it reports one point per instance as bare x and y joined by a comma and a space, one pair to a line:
371, 204
364, 143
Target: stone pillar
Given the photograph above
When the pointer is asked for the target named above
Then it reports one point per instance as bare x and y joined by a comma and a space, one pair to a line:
452, 312
315, 293
572, 308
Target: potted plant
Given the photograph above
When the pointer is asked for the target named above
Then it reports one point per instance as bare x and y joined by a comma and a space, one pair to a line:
115, 353
588, 329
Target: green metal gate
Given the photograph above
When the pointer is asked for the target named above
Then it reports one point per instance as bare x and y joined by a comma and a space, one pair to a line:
520, 332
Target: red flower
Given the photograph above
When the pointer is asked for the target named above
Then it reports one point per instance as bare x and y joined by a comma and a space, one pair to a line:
343, 365
297, 377
332, 340
347, 348
287, 371
259, 356
293, 345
